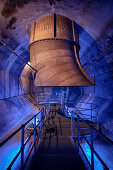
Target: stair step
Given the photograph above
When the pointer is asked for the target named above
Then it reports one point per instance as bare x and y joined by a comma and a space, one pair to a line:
57, 153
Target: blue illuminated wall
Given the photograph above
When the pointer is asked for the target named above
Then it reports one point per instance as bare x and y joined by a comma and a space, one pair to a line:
14, 105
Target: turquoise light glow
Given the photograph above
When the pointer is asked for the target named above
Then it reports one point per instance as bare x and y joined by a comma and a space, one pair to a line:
37, 120
97, 163
7, 154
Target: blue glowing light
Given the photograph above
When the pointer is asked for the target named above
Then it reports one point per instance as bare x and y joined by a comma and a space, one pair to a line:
97, 163
37, 120
69, 113
7, 154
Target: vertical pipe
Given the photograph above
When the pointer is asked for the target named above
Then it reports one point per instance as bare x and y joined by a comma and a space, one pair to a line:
92, 154
34, 134
72, 124
78, 138
22, 147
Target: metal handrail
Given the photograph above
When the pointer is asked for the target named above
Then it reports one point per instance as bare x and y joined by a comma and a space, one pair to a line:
104, 136
9, 137
90, 145
82, 102
93, 116
87, 103
85, 109
14, 159
30, 151
23, 143
18, 56
94, 151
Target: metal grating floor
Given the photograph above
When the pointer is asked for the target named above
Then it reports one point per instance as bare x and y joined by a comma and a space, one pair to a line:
56, 153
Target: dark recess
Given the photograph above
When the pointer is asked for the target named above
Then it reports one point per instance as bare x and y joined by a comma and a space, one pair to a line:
4, 35
10, 7
8, 10
11, 22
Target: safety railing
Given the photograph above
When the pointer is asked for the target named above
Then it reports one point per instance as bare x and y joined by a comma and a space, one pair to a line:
83, 111
91, 144
92, 116
23, 141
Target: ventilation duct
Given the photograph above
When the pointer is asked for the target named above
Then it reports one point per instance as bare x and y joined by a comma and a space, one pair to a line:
53, 52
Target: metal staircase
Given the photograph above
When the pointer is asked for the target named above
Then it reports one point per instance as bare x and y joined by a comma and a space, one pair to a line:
56, 150
56, 141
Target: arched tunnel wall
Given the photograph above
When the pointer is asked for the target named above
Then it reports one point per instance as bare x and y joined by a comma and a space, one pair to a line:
13, 85
100, 98
12, 111
95, 19
15, 93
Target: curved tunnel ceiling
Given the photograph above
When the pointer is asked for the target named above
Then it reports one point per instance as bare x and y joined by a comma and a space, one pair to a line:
94, 20
93, 17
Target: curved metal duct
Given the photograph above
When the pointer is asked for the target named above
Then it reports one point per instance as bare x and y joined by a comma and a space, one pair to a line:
53, 52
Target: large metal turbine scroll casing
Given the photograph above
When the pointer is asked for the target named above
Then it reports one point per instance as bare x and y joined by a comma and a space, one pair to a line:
53, 53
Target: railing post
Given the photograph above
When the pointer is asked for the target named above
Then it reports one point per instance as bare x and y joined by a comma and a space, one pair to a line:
40, 126
91, 112
22, 147
45, 113
42, 118
78, 137
67, 111
91, 147
72, 124
97, 123
34, 134
45, 110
